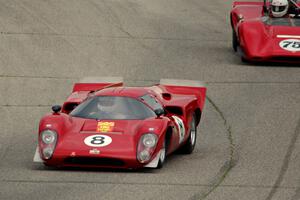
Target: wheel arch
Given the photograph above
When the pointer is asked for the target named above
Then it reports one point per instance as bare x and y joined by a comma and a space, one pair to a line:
198, 114
168, 137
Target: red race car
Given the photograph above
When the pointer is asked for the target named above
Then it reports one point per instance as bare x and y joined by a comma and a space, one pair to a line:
266, 31
103, 124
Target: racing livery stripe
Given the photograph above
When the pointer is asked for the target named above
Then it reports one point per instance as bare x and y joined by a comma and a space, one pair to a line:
288, 36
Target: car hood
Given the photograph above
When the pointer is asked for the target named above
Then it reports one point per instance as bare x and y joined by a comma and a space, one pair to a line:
285, 40
275, 31
109, 126
263, 40
123, 136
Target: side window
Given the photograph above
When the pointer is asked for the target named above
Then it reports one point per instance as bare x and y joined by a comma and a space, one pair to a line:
151, 101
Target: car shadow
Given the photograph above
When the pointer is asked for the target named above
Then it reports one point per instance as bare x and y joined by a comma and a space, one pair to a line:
42, 167
271, 64
170, 159
236, 58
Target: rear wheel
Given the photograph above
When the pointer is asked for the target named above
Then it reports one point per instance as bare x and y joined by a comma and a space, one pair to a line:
189, 146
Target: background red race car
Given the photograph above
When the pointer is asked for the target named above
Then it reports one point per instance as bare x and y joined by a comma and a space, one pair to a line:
259, 37
103, 124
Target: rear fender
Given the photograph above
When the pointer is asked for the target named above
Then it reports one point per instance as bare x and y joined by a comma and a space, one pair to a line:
186, 87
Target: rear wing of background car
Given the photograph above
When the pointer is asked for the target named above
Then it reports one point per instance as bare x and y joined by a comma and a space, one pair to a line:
186, 87
264, 3
258, 3
87, 86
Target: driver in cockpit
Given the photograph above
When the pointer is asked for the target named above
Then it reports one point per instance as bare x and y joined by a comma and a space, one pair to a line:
279, 8
283, 9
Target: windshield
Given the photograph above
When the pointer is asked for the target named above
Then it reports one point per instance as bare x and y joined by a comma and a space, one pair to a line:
112, 107
281, 21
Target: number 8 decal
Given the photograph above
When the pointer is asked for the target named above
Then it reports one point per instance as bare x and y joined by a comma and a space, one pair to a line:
97, 140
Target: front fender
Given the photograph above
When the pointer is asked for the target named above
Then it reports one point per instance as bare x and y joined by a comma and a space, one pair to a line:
157, 126
253, 38
58, 122
245, 11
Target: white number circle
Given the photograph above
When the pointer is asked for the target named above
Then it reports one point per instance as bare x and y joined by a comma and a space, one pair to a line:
97, 140
290, 45
181, 128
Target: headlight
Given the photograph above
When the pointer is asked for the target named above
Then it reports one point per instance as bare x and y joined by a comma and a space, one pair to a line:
144, 156
146, 147
149, 140
48, 143
48, 136
47, 152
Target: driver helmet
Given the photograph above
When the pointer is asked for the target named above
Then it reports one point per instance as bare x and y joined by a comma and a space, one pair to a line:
279, 8
106, 104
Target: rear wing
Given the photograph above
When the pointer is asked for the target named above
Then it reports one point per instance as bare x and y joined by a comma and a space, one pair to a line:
92, 84
85, 87
186, 87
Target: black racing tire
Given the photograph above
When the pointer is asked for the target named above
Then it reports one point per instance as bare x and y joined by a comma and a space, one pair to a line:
189, 146
244, 60
235, 42
162, 157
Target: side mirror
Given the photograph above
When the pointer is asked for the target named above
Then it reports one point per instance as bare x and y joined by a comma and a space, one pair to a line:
159, 112
167, 96
56, 108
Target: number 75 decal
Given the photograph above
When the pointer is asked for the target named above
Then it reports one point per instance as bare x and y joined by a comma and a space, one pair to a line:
290, 45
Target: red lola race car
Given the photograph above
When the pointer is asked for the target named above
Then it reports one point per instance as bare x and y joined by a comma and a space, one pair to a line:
103, 124
259, 36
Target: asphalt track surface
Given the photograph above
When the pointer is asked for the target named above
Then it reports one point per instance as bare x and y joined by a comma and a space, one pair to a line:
248, 144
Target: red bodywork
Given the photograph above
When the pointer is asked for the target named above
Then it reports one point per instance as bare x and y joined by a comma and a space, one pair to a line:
260, 37
70, 150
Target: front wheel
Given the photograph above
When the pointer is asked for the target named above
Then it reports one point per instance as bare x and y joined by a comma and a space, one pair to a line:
162, 156
235, 42
244, 60
189, 146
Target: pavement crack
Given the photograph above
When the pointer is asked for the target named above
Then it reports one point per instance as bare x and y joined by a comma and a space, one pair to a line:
15, 105
122, 182
285, 164
151, 81
127, 36
113, 17
36, 77
228, 165
296, 195
4, 151
46, 23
